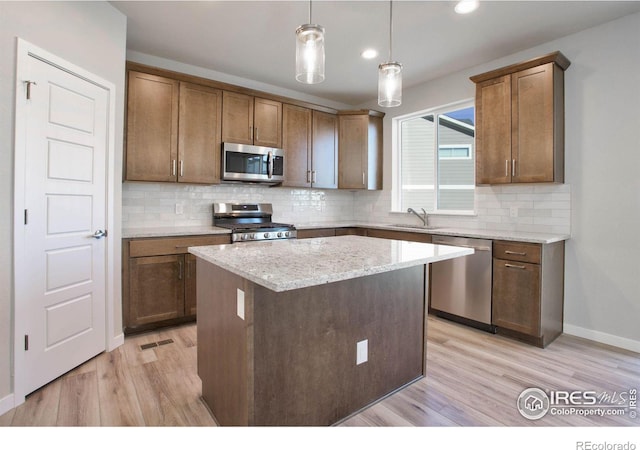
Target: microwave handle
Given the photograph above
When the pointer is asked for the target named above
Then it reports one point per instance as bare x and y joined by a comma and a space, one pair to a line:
270, 165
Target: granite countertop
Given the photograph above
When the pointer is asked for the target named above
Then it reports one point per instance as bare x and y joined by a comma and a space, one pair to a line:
293, 264
142, 232
520, 236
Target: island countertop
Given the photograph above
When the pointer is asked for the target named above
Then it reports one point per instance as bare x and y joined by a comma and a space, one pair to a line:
285, 265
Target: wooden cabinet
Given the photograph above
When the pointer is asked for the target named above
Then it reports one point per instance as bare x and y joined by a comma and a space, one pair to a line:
173, 130
310, 142
251, 120
324, 146
152, 127
528, 290
360, 150
296, 142
159, 280
520, 122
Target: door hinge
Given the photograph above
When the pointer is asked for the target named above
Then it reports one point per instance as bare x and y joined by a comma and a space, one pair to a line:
26, 216
29, 83
26, 342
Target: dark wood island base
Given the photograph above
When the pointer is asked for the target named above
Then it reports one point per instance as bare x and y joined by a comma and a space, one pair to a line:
291, 360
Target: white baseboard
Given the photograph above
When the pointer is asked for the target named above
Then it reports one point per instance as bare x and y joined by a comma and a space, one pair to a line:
115, 342
6, 404
603, 338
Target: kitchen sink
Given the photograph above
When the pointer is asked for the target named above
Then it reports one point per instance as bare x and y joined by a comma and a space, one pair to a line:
417, 227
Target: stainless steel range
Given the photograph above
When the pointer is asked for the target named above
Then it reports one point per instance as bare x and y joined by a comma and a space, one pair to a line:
250, 222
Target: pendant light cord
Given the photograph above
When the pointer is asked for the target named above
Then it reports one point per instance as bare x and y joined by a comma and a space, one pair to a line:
390, 27
310, 12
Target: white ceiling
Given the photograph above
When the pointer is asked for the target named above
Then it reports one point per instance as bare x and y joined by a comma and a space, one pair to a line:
256, 39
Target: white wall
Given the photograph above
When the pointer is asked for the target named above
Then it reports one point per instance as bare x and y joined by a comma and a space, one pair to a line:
91, 35
602, 168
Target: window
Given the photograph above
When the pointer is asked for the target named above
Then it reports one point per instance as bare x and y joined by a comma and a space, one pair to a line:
442, 180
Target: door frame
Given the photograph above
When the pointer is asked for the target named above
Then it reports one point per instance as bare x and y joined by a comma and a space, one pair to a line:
113, 338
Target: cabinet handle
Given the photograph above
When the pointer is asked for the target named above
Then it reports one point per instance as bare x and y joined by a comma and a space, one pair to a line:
510, 252
513, 266
308, 176
251, 133
513, 168
173, 167
506, 167
257, 138
363, 179
181, 168
179, 270
313, 176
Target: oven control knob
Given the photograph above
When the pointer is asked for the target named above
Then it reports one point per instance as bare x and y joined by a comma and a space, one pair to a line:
279, 234
266, 235
252, 236
243, 237
286, 234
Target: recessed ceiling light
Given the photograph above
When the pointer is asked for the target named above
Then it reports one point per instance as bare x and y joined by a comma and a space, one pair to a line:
369, 53
466, 6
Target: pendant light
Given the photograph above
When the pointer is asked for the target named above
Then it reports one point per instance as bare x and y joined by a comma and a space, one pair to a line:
390, 75
310, 52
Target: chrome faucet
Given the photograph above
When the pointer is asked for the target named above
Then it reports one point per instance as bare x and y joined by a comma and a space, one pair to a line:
424, 217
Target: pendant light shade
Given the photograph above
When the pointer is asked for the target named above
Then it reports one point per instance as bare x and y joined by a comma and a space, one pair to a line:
390, 75
310, 54
390, 84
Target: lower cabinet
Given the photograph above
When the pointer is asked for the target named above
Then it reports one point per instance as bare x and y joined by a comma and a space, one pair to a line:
528, 290
159, 280
399, 235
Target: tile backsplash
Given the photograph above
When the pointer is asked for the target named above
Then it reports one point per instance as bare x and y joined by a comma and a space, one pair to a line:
154, 204
532, 208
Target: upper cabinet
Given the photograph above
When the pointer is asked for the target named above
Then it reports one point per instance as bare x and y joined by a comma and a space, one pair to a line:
360, 150
152, 128
176, 124
520, 122
310, 142
251, 120
173, 130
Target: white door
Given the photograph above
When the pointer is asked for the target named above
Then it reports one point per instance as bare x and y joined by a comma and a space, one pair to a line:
63, 302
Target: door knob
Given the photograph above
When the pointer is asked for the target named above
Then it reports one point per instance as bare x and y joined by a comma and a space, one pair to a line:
99, 234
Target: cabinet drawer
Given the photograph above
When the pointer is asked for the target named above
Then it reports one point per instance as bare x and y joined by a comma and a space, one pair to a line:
316, 233
172, 246
517, 251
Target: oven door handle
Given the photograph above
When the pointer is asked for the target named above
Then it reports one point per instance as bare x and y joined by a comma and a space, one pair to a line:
270, 165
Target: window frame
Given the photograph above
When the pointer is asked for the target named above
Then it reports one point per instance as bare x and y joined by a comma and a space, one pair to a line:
396, 189
456, 146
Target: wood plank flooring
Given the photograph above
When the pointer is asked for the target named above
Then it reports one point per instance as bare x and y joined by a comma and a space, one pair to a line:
473, 379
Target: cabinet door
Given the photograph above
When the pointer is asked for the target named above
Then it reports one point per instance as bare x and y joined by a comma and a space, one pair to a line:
493, 131
324, 144
199, 142
189, 285
152, 128
352, 151
516, 296
237, 118
399, 235
156, 286
296, 142
533, 122
267, 120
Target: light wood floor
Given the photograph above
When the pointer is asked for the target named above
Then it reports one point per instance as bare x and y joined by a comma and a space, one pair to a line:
474, 378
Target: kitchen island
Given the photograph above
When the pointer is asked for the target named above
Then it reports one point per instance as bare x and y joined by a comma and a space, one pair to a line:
307, 332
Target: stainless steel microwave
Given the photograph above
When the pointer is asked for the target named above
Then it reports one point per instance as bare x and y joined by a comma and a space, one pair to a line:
242, 162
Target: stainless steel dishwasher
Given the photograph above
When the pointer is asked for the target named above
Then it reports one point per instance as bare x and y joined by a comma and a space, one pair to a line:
461, 287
